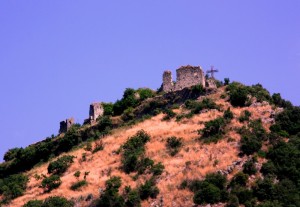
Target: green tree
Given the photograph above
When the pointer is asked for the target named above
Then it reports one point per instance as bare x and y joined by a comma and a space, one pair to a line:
50, 183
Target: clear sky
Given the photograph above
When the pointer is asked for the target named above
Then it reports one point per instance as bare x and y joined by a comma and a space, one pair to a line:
58, 56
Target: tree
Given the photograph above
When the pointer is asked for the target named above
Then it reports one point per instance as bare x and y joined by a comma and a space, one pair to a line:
60, 165
57, 201
207, 194
111, 197
51, 183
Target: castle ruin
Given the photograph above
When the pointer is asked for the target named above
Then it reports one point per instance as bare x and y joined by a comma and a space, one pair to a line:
96, 110
66, 125
186, 76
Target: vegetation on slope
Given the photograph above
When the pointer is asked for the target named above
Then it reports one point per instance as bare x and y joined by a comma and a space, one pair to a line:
276, 183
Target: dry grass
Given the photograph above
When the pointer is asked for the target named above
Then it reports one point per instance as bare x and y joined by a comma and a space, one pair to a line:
193, 161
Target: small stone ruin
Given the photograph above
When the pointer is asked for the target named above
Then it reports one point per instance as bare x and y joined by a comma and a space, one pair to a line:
96, 110
66, 125
186, 76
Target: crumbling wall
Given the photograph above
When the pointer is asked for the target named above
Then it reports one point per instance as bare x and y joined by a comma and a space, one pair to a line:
186, 76
96, 110
66, 125
168, 81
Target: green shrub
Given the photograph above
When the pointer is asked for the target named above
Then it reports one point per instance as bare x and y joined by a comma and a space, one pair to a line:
157, 169
60, 165
132, 150
98, 146
209, 193
268, 168
280, 102
211, 190
133, 199
250, 144
216, 179
173, 145
228, 115
88, 147
108, 109
104, 125
78, 185
148, 189
252, 137
50, 183
110, 197
12, 154
145, 93
196, 107
288, 121
13, 186
245, 116
239, 179
57, 201
77, 174
129, 100
128, 114
143, 164
198, 90
233, 201
169, 114
249, 167
34, 203
238, 94
213, 130
244, 194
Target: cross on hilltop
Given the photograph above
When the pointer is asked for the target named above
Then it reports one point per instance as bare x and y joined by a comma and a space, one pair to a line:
212, 71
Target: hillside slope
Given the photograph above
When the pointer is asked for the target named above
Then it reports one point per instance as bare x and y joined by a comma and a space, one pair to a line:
194, 160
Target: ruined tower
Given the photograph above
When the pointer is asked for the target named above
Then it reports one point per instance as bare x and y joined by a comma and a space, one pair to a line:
66, 125
168, 81
186, 76
96, 110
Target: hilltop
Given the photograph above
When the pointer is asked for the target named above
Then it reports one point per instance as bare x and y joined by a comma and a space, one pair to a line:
218, 143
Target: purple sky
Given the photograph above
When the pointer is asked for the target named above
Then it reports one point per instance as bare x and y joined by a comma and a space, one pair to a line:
56, 57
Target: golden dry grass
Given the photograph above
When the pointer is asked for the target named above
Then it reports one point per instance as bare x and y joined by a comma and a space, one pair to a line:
193, 161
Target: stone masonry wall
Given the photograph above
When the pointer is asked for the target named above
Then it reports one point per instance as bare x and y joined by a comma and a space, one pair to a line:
168, 81
186, 76
96, 110
66, 125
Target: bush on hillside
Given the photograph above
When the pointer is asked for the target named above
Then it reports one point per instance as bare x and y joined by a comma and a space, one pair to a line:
213, 130
196, 107
110, 197
169, 114
249, 167
173, 145
210, 190
239, 179
228, 115
245, 116
132, 150
108, 109
148, 189
13, 186
78, 185
34, 203
57, 201
145, 93
51, 183
129, 100
60, 165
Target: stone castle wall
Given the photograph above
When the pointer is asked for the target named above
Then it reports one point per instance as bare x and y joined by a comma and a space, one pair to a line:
66, 125
96, 110
186, 76
168, 84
